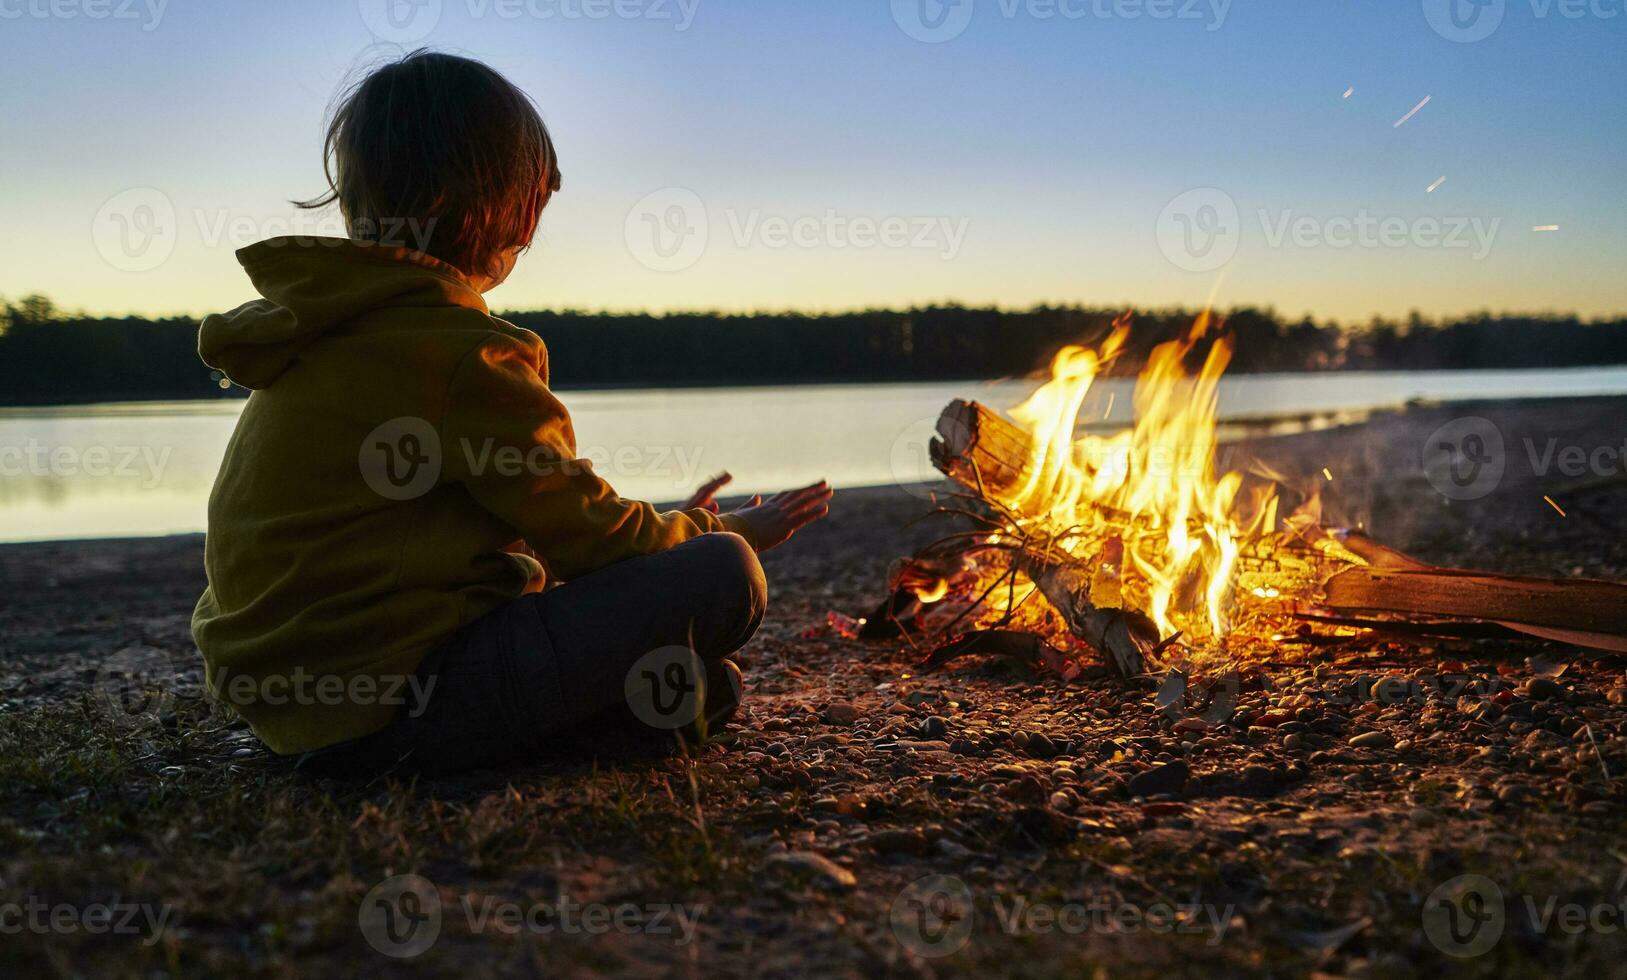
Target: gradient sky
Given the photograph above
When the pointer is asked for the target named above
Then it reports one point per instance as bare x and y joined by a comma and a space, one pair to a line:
1051, 145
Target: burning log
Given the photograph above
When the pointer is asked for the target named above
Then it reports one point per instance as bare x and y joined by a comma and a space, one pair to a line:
1306, 570
1125, 637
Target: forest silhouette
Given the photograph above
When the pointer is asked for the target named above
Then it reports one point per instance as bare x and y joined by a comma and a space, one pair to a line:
48, 356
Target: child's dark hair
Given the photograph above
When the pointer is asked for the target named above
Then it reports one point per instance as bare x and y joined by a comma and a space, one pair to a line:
447, 143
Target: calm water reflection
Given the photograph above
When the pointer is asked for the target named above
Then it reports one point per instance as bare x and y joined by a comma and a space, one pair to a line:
145, 468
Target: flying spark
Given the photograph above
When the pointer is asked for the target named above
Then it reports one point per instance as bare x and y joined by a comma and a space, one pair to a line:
1435, 186
1400, 122
1554, 505
1327, 473
1350, 91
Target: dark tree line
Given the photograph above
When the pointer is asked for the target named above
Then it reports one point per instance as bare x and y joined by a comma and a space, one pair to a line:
47, 356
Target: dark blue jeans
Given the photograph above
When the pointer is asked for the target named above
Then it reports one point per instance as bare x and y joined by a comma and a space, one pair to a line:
597, 655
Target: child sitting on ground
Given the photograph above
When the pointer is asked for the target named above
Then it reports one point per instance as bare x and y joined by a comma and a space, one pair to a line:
407, 563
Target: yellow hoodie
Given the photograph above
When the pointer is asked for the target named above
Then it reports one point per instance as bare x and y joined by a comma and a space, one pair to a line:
401, 469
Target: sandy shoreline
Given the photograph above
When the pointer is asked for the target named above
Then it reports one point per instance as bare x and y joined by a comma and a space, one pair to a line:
1316, 819
89, 598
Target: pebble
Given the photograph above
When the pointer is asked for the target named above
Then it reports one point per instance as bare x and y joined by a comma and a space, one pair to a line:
1545, 689
825, 870
898, 840
1512, 792
1040, 746
1373, 740
1169, 778
842, 713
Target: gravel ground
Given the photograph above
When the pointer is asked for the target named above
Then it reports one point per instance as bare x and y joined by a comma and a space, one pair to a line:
1369, 809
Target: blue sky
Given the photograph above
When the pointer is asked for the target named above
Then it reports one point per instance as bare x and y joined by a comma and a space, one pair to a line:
1032, 157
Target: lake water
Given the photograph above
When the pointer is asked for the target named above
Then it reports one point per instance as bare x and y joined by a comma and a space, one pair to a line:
145, 468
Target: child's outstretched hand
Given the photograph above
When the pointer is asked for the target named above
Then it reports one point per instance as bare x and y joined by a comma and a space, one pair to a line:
706, 497
774, 520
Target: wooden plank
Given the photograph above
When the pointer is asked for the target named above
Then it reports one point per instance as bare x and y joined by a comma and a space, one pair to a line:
1573, 604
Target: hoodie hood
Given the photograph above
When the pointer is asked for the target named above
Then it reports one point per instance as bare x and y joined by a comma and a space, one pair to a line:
312, 285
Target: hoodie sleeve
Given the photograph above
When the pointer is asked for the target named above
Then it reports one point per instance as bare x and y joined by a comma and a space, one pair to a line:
510, 442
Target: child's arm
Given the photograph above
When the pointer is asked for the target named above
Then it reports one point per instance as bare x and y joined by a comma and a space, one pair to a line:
773, 521
510, 442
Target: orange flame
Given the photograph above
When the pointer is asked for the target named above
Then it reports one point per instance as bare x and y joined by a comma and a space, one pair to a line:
1153, 486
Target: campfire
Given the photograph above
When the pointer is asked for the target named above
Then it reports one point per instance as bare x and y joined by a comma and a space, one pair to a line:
1131, 546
